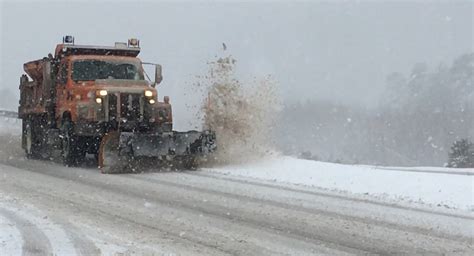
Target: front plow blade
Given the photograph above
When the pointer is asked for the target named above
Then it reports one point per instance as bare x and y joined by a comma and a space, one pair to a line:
126, 151
109, 158
173, 144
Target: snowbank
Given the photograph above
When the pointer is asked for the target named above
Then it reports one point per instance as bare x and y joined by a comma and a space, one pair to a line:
10, 126
435, 188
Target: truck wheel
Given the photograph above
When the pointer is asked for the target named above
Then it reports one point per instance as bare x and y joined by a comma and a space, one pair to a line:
190, 163
72, 151
30, 144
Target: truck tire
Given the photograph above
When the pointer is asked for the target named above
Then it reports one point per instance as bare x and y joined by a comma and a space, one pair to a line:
190, 163
187, 163
72, 150
30, 144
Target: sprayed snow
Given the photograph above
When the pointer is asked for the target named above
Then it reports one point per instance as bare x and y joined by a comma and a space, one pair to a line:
437, 189
241, 113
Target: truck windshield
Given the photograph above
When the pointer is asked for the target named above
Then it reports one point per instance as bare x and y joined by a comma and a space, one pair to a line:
88, 70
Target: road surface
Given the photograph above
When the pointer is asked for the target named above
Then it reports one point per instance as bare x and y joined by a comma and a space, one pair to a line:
48, 209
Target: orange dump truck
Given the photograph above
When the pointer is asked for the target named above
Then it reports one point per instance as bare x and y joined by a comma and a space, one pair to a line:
97, 100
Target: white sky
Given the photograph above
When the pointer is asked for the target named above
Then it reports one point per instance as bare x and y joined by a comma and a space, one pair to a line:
339, 50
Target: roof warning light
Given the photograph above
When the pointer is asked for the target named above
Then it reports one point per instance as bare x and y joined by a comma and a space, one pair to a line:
68, 40
133, 42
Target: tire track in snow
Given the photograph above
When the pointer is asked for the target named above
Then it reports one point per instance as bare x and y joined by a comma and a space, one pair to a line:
348, 245
35, 241
46, 237
246, 198
265, 183
82, 244
11, 240
218, 213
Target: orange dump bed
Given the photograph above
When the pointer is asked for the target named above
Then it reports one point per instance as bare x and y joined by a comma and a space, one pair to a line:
34, 69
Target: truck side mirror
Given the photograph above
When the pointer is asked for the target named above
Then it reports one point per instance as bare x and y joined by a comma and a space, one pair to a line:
158, 75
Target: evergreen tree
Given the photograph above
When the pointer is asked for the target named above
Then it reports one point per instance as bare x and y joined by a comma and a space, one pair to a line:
462, 154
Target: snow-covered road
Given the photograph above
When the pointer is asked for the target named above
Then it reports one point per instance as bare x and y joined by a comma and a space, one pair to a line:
79, 211
280, 206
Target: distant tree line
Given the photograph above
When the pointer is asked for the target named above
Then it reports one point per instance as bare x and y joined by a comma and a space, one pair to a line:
418, 120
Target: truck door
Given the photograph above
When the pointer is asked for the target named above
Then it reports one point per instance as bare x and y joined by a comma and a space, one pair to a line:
62, 91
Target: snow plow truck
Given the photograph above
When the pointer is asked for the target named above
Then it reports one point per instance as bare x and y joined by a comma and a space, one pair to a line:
99, 100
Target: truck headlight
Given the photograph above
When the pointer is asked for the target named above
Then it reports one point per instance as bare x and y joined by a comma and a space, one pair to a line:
148, 93
103, 92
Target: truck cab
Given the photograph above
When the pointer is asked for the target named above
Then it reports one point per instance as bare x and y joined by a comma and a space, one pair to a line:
103, 88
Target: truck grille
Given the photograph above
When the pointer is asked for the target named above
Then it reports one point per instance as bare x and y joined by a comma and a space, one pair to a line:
125, 107
112, 107
130, 106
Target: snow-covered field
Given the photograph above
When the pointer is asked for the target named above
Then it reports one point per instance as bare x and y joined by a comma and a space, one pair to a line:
434, 187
